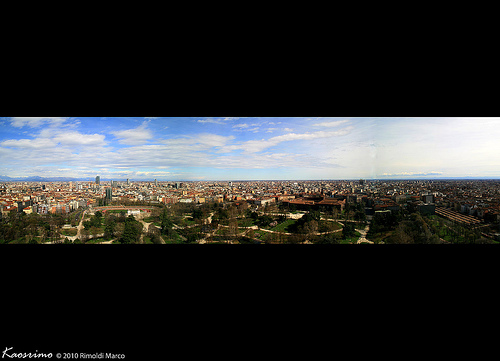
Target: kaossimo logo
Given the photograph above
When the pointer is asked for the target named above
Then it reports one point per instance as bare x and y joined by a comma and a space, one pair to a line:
9, 353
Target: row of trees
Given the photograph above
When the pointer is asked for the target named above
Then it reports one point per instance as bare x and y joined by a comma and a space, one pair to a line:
30, 228
401, 227
118, 227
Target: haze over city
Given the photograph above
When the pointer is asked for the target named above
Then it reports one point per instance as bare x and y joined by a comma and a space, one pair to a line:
251, 148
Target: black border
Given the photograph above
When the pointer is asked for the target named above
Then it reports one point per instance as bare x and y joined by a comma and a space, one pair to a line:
141, 299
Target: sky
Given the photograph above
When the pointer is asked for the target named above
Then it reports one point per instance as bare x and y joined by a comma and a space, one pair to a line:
249, 148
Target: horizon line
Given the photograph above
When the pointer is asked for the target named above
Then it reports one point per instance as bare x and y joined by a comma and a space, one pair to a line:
91, 179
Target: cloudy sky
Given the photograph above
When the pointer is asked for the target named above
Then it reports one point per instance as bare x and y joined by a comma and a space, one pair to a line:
229, 148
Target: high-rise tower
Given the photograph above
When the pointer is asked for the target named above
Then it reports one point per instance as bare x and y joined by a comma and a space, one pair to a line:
109, 193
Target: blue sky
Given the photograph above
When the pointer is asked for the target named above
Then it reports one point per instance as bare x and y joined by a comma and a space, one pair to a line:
231, 148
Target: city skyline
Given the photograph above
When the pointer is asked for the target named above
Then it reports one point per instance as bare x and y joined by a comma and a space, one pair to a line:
250, 148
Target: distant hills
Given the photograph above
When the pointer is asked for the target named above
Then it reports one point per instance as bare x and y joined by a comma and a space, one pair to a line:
5, 178
42, 179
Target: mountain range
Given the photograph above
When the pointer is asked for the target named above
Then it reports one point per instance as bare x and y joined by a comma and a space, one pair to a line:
47, 179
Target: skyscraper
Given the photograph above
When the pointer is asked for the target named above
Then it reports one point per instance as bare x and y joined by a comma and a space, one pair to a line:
97, 180
109, 193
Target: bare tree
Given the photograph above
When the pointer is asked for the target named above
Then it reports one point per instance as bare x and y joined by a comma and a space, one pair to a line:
233, 227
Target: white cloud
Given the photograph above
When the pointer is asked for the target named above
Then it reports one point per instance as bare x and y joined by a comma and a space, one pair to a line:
334, 123
241, 126
202, 141
34, 122
153, 173
212, 140
211, 120
417, 174
77, 138
136, 136
254, 146
188, 151
37, 143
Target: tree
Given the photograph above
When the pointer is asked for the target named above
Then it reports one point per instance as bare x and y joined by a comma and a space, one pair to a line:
94, 231
98, 214
331, 238
154, 234
166, 223
360, 216
264, 221
85, 235
296, 238
401, 235
109, 228
132, 231
233, 227
311, 227
348, 231
197, 213
118, 229
155, 238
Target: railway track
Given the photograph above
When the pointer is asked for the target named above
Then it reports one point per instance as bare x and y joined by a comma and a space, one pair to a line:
457, 217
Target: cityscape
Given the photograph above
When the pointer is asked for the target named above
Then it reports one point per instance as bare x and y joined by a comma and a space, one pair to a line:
210, 180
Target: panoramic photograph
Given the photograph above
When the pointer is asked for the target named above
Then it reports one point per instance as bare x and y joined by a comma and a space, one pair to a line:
249, 180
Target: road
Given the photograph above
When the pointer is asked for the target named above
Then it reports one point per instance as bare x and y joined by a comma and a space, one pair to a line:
362, 238
79, 228
145, 227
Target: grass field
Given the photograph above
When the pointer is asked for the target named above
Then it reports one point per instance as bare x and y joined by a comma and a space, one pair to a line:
69, 232
283, 225
350, 240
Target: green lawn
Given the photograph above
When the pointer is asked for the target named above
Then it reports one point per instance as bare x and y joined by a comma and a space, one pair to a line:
328, 226
225, 230
245, 222
189, 221
176, 240
262, 235
350, 240
69, 232
283, 225
96, 240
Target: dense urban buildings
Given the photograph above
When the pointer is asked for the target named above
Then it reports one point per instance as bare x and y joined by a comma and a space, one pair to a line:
452, 211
